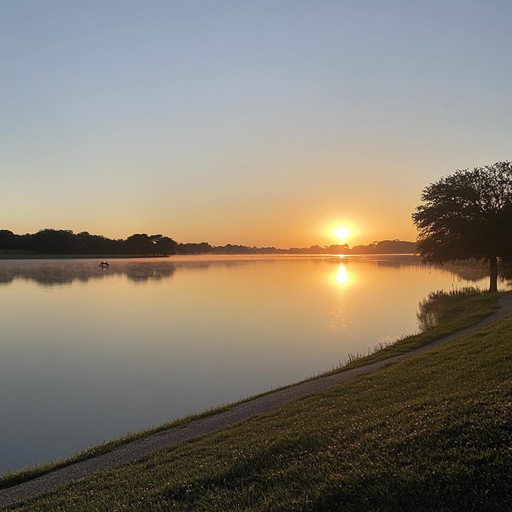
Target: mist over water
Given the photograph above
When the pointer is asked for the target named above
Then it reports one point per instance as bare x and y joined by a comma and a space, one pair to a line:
89, 354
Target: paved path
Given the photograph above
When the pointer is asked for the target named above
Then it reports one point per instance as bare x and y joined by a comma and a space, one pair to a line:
193, 429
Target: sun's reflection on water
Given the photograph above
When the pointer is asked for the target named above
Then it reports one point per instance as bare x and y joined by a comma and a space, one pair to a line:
342, 276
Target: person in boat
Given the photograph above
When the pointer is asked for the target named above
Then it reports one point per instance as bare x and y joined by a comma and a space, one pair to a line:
104, 264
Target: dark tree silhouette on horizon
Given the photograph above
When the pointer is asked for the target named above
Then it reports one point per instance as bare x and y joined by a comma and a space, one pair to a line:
468, 215
146, 245
64, 241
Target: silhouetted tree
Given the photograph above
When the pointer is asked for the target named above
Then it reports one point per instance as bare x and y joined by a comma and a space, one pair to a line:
7, 240
386, 247
53, 241
139, 244
97, 244
468, 215
195, 248
164, 245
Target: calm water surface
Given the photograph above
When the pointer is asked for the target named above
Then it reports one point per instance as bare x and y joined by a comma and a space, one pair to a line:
87, 355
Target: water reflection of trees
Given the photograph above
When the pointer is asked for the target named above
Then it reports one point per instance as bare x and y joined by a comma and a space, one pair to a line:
66, 272
62, 272
58, 273
469, 270
466, 270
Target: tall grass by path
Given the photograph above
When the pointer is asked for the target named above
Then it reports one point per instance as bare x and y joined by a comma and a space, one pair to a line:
454, 311
430, 433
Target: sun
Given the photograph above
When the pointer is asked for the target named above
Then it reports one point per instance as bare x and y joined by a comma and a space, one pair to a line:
341, 233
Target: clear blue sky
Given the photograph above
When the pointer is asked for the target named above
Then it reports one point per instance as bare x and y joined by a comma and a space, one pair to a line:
262, 122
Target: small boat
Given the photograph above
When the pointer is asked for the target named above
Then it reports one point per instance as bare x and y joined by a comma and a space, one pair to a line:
104, 264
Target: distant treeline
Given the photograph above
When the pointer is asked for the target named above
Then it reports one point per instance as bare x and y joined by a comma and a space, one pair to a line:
382, 247
53, 241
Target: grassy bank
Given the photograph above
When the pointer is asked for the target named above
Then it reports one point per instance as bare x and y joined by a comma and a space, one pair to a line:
446, 314
430, 433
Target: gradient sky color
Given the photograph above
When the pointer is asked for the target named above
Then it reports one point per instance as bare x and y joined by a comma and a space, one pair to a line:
259, 122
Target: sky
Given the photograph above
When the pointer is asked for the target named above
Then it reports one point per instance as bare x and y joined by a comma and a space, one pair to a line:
255, 122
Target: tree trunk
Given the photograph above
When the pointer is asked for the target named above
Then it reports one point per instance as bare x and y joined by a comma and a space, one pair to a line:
493, 284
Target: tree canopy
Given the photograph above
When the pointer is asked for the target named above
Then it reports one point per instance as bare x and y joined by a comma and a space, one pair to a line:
58, 241
466, 215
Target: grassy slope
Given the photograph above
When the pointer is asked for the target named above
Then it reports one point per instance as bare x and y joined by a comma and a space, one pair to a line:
458, 311
431, 433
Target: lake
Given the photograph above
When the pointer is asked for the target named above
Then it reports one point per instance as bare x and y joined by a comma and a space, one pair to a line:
89, 354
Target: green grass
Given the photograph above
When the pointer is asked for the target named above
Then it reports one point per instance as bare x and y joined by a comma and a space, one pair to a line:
454, 311
458, 310
431, 433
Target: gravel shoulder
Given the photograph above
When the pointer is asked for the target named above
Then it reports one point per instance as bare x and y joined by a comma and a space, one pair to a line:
196, 428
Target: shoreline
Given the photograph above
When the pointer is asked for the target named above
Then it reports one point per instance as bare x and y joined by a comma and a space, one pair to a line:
44, 256
226, 417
